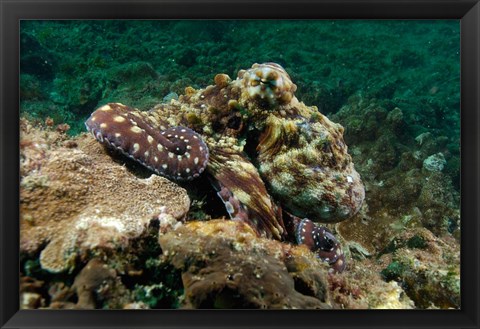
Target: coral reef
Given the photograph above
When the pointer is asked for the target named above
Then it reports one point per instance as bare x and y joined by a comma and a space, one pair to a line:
401, 193
95, 276
411, 196
397, 99
204, 264
363, 288
416, 269
225, 265
92, 286
72, 204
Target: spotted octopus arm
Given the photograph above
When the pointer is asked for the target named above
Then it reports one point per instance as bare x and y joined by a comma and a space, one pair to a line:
242, 190
176, 152
321, 241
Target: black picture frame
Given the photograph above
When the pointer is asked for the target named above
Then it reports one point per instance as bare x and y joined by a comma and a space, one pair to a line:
468, 11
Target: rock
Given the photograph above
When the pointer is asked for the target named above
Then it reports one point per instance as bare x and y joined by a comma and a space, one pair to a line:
75, 201
30, 300
435, 162
90, 280
428, 268
225, 265
363, 288
31, 293
169, 97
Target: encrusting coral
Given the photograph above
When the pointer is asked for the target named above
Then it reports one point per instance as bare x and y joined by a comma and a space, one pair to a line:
75, 200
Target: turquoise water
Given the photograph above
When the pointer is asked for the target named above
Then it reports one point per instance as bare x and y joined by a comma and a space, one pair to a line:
68, 68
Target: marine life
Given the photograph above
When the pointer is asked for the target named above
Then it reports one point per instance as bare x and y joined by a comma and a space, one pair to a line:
320, 238
177, 152
271, 158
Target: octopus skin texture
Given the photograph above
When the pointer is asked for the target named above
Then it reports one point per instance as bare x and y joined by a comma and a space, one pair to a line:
177, 153
272, 159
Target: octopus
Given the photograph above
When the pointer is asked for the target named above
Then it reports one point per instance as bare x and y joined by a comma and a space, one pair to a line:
277, 164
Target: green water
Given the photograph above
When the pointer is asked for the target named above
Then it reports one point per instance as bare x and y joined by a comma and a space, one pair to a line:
68, 68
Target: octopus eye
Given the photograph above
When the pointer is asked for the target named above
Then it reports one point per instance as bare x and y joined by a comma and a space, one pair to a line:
234, 122
267, 82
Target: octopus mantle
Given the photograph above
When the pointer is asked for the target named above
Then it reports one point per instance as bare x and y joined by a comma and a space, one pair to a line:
261, 146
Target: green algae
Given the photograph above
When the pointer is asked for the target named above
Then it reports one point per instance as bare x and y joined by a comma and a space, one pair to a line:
394, 271
416, 241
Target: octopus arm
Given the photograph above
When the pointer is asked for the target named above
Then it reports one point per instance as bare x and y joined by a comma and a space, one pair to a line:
178, 152
244, 193
322, 242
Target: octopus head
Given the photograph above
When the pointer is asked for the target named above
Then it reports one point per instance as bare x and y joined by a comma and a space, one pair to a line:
268, 84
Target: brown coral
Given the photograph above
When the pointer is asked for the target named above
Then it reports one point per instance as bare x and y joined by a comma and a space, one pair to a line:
77, 201
97, 284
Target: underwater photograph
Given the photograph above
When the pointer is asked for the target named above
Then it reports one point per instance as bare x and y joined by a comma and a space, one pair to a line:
240, 164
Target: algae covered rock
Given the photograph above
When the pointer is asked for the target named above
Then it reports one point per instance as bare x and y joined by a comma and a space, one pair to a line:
364, 288
225, 265
427, 267
435, 162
